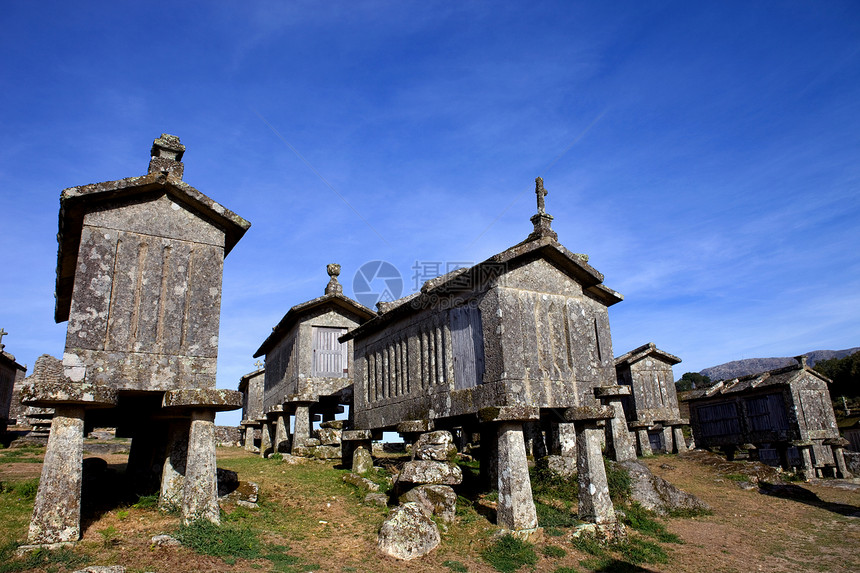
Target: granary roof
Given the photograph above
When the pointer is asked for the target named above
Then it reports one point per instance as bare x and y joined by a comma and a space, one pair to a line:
333, 297
462, 280
778, 377
243, 381
10, 359
165, 176
643, 351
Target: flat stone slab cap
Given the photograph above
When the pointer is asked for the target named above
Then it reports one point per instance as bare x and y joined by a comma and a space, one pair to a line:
607, 391
640, 424
801, 443
299, 398
249, 423
509, 413
585, 413
356, 435
676, 422
836, 442
413, 426
203, 398
52, 394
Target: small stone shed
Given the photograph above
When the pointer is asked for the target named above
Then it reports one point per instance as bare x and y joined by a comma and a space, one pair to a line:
651, 408
11, 373
783, 417
521, 337
251, 388
139, 271
308, 371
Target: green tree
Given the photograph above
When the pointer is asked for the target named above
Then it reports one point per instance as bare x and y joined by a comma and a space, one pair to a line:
691, 380
845, 373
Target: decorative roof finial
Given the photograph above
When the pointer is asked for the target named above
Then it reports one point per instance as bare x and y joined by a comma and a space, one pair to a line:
167, 156
541, 193
333, 287
542, 221
2, 334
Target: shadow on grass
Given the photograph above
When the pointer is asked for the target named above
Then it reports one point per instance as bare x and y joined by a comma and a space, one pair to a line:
803, 495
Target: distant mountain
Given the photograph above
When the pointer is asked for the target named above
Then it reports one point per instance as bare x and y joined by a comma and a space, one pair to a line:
737, 368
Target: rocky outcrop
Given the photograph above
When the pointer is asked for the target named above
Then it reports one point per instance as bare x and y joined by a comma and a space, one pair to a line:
656, 494
438, 500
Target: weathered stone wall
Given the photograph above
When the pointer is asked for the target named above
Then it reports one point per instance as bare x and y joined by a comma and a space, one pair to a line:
228, 435
147, 297
9, 373
252, 396
539, 341
654, 396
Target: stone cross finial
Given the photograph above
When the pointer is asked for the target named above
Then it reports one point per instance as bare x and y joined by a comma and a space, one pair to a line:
333, 287
541, 220
166, 155
258, 364
2, 334
541, 193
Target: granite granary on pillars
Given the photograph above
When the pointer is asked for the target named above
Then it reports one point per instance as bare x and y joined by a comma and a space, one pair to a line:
139, 273
11, 374
251, 388
651, 406
521, 337
309, 372
783, 417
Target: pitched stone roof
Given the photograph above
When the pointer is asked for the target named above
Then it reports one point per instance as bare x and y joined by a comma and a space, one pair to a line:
778, 377
462, 280
643, 351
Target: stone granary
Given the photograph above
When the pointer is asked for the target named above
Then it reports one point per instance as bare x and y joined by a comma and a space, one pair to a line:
251, 388
139, 271
521, 337
11, 373
651, 408
308, 371
783, 417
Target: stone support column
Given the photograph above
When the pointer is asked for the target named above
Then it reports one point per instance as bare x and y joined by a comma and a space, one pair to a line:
594, 502
621, 447
807, 469
667, 439
249, 438
642, 439
265, 439
680, 442
356, 449
57, 510
282, 436
567, 440
200, 496
302, 426
838, 445
516, 508
173, 472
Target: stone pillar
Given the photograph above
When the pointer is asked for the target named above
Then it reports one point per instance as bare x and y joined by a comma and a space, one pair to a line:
200, 496
57, 510
841, 467
594, 502
302, 426
667, 439
567, 440
808, 470
533, 435
680, 442
282, 437
356, 450
643, 441
173, 472
516, 508
621, 447
249, 438
265, 439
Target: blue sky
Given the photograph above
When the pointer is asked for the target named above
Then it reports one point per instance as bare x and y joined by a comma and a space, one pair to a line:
704, 155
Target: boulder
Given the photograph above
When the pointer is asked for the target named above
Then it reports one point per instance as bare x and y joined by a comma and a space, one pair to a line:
656, 494
428, 471
164, 541
333, 424
360, 482
438, 446
362, 462
407, 533
438, 500
561, 466
379, 499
